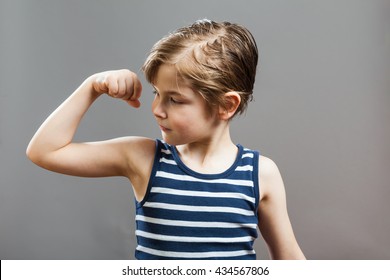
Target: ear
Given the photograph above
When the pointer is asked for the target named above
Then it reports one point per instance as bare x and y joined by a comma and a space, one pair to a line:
232, 101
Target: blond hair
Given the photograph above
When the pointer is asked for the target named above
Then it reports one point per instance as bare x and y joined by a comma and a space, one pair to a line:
215, 58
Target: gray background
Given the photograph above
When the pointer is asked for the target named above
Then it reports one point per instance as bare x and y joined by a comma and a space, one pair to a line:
321, 111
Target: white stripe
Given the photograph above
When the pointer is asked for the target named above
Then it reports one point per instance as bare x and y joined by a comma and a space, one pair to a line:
193, 239
244, 168
168, 152
192, 224
168, 161
191, 208
195, 255
163, 174
249, 155
203, 194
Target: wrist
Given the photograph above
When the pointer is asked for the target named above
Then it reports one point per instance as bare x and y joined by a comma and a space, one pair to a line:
89, 83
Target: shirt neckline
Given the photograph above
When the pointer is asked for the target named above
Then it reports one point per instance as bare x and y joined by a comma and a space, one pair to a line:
199, 175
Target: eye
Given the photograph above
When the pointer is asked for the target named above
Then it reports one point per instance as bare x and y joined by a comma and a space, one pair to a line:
155, 92
174, 101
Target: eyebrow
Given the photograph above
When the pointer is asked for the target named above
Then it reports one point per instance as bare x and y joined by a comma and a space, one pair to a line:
171, 92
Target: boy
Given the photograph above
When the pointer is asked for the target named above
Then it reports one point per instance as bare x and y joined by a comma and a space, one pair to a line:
198, 195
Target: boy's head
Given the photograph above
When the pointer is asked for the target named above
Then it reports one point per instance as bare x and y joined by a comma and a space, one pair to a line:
215, 58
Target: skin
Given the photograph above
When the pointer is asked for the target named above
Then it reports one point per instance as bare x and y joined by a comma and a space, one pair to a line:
202, 139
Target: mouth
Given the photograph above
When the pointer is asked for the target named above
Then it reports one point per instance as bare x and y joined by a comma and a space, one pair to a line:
163, 128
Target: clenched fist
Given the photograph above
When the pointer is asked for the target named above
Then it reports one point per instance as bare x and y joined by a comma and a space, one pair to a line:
122, 84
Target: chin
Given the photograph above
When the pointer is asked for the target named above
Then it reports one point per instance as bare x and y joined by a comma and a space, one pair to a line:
173, 142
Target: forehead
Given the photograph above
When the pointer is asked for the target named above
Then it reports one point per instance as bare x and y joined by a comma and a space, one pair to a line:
168, 79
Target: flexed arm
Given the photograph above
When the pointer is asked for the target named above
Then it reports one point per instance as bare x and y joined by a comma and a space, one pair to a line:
52, 147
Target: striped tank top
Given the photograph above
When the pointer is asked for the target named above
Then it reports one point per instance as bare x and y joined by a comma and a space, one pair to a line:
189, 215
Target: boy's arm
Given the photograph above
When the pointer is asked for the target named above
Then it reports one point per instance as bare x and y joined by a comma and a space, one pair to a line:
52, 147
274, 222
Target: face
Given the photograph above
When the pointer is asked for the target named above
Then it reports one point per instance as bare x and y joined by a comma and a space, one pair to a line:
180, 112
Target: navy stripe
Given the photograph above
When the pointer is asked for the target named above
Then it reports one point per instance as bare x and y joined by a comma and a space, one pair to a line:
194, 231
144, 256
196, 186
193, 247
196, 216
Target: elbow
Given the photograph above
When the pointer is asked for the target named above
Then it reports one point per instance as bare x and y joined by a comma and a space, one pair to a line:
34, 155
30, 153
40, 156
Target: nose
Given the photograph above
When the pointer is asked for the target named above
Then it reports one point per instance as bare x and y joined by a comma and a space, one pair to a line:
158, 109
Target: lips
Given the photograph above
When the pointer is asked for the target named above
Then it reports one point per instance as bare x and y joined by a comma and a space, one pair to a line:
163, 128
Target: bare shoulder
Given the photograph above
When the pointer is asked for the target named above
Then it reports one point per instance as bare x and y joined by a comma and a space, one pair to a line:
268, 167
139, 152
143, 144
270, 178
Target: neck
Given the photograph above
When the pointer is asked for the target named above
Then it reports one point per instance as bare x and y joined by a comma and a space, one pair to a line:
212, 155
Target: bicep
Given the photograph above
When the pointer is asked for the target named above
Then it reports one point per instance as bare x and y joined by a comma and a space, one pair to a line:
274, 222
96, 159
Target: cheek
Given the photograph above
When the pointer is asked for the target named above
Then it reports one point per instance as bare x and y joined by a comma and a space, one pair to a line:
191, 125
182, 122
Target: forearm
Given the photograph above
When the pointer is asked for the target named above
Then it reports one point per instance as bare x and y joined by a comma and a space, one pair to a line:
59, 128
290, 252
